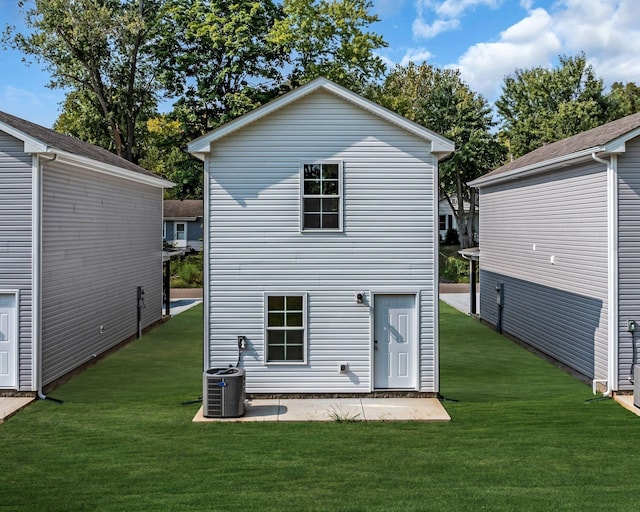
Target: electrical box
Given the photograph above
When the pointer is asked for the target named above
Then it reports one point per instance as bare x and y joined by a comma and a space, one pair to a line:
343, 367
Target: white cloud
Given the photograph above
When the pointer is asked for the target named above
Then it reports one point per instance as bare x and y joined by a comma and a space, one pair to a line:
415, 55
447, 15
607, 31
423, 30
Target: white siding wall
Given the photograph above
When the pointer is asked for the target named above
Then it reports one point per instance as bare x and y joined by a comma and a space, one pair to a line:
255, 243
16, 240
559, 307
102, 237
629, 260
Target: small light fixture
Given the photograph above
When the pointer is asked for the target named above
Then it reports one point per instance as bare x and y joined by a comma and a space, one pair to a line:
359, 297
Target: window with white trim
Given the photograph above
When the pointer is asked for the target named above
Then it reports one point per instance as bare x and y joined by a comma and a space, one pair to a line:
285, 325
321, 204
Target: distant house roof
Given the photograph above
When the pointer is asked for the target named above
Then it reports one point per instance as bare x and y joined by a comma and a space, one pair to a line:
183, 209
40, 140
606, 139
440, 146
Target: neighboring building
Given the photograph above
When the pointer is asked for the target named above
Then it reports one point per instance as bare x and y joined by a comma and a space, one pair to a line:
183, 223
80, 231
447, 216
321, 245
560, 250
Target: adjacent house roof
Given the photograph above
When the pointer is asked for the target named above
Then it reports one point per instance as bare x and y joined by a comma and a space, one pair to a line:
606, 139
40, 140
440, 146
183, 209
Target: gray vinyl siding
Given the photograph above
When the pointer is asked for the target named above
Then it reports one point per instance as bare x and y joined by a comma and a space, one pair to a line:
16, 241
628, 260
102, 237
255, 243
560, 307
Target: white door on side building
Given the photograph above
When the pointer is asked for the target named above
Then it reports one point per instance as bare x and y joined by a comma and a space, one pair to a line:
395, 342
8, 340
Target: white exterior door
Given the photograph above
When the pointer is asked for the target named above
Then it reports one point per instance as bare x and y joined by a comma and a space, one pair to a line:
8, 340
395, 342
180, 234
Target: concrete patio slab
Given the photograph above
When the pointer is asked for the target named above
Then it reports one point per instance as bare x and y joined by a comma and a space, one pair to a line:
11, 405
626, 401
338, 409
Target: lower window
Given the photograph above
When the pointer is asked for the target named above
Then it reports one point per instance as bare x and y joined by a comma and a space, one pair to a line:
285, 328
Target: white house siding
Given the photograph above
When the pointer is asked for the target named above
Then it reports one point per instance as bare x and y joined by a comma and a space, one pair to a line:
629, 260
560, 307
255, 243
16, 241
102, 237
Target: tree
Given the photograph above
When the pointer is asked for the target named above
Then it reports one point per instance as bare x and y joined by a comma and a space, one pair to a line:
165, 154
217, 59
97, 47
439, 100
329, 38
540, 105
624, 99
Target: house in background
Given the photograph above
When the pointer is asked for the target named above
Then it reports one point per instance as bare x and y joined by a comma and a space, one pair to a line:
321, 243
183, 223
560, 251
80, 236
447, 216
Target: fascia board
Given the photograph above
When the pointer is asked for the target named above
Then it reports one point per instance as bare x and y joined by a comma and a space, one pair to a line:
112, 170
440, 146
31, 145
533, 169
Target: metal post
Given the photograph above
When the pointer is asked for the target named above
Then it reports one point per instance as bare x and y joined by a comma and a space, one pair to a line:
167, 287
472, 288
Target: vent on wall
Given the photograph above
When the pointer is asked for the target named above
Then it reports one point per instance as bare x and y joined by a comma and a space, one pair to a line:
224, 392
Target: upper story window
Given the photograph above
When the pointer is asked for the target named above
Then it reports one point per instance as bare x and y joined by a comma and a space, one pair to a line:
322, 196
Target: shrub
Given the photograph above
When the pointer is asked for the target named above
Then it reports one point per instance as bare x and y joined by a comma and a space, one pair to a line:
452, 238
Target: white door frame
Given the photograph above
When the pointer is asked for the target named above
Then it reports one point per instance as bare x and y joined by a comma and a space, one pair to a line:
179, 242
416, 320
14, 347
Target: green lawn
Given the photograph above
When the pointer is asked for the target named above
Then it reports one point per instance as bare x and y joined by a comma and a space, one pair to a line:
522, 437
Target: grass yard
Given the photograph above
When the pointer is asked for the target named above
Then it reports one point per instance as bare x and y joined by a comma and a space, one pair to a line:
522, 438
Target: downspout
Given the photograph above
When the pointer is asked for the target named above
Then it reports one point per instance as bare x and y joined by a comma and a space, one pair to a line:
612, 277
36, 267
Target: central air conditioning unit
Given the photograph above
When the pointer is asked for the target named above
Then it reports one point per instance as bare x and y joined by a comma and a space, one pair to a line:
223, 393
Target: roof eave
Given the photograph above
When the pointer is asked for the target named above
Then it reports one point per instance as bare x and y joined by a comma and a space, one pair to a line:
536, 168
440, 146
112, 170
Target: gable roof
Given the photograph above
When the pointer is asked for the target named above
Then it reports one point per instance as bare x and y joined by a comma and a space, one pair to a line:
440, 146
183, 209
605, 139
40, 140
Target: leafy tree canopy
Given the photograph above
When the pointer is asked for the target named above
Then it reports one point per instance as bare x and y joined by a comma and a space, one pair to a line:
97, 47
541, 105
440, 100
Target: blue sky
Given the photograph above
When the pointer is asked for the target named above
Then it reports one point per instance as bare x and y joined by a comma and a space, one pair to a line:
485, 39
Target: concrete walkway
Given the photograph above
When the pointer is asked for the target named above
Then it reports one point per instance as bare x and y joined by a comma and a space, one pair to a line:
10, 405
338, 409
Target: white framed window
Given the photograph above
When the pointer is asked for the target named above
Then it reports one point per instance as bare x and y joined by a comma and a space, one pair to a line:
321, 196
285, 328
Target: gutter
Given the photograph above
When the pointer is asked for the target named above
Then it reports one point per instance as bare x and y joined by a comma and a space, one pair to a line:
536, 168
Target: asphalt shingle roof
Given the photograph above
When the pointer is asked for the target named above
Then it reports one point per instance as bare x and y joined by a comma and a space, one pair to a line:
593, 138
174, 208
70, 144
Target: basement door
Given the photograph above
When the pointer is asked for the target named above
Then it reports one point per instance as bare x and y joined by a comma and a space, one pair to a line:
395, 342
8, 340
